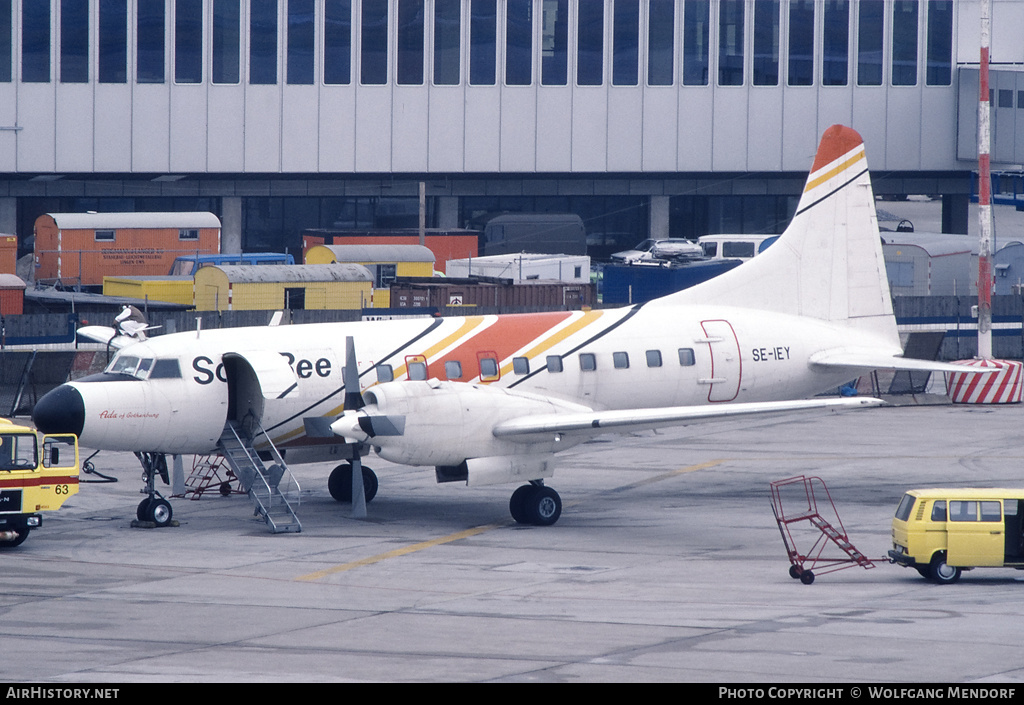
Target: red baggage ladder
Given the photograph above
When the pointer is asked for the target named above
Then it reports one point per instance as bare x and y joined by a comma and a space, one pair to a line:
207, 476
801, 504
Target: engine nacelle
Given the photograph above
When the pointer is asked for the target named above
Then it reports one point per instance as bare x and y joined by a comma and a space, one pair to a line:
446, 423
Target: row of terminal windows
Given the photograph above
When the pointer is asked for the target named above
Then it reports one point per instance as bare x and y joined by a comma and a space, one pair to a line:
489, 372
519, 42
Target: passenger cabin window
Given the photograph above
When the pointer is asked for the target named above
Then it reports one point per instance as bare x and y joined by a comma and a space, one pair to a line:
554, 363
385, 373
939, 510
588, 363
654, 358
521, 365
418, 371
686, 357
489, 369
453, 369
188, 234
620, 360
104, 236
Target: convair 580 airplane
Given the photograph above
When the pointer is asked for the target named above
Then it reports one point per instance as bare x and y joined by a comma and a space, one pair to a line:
490, 399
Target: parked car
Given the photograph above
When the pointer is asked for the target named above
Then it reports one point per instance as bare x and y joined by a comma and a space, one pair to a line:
660, 249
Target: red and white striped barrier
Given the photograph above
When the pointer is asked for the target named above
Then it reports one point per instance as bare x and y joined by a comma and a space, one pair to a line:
1002, 387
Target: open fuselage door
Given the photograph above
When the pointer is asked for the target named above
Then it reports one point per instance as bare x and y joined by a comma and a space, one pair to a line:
726, 367
254, 376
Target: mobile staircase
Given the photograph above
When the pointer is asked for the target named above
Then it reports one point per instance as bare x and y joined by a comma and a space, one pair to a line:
273, 489
795, 500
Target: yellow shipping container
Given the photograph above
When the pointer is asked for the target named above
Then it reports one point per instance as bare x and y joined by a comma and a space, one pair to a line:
385, 262
268, 287
175, 290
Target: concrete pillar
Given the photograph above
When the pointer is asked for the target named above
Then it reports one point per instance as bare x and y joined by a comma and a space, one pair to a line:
231, 225
955, 210
658, 210
9, 216
447, 212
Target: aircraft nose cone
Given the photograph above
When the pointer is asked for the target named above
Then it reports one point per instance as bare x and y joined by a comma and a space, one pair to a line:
61, 410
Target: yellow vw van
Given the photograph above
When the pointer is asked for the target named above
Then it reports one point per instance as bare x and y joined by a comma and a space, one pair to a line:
942, 532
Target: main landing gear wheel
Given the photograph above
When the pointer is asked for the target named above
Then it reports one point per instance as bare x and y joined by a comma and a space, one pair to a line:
535, 505
339, 484
156, 510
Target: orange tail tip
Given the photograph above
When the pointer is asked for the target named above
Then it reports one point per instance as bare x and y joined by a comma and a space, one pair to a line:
837, 141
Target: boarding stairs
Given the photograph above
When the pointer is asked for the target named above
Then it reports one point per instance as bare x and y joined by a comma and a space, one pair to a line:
273, 489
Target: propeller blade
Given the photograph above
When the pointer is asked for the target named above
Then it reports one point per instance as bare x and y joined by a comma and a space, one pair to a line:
351, 421
353, 397
358, 493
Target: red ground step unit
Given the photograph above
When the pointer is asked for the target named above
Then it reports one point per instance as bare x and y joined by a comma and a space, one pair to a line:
795, 500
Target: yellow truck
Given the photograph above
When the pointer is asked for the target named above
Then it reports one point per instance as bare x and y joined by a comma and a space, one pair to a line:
942, 532
37, 474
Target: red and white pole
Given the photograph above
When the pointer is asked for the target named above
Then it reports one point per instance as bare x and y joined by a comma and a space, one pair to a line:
1004, 385
984, 196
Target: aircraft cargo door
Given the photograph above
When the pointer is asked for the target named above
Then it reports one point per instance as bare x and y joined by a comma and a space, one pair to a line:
726, 367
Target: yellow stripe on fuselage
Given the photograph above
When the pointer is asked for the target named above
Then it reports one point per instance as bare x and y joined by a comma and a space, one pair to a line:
546, 344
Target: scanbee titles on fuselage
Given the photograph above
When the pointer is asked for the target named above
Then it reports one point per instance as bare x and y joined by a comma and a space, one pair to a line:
489, 399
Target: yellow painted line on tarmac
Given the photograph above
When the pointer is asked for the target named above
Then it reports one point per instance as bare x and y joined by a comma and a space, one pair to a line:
670, 475
477, 530
414, 548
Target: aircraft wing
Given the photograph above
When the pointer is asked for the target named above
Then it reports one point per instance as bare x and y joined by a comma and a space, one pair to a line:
636, 419
868, 360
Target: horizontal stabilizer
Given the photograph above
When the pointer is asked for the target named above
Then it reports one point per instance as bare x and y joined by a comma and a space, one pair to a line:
636, 419
869, 360
104, 335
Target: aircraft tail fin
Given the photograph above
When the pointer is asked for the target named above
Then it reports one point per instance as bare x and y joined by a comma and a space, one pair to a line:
828, 263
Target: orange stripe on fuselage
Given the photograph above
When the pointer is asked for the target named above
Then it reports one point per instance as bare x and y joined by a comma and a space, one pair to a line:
506, 336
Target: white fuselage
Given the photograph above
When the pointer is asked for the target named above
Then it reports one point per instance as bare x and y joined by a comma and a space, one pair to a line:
611, 359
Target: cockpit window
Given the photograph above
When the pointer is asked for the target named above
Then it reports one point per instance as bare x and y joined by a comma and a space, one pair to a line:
131, 365
165, 369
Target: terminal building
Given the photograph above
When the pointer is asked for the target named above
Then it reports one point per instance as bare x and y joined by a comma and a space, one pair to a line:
663, 118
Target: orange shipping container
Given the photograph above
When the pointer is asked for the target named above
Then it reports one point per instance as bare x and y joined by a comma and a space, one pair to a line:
8, 254
79, 249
